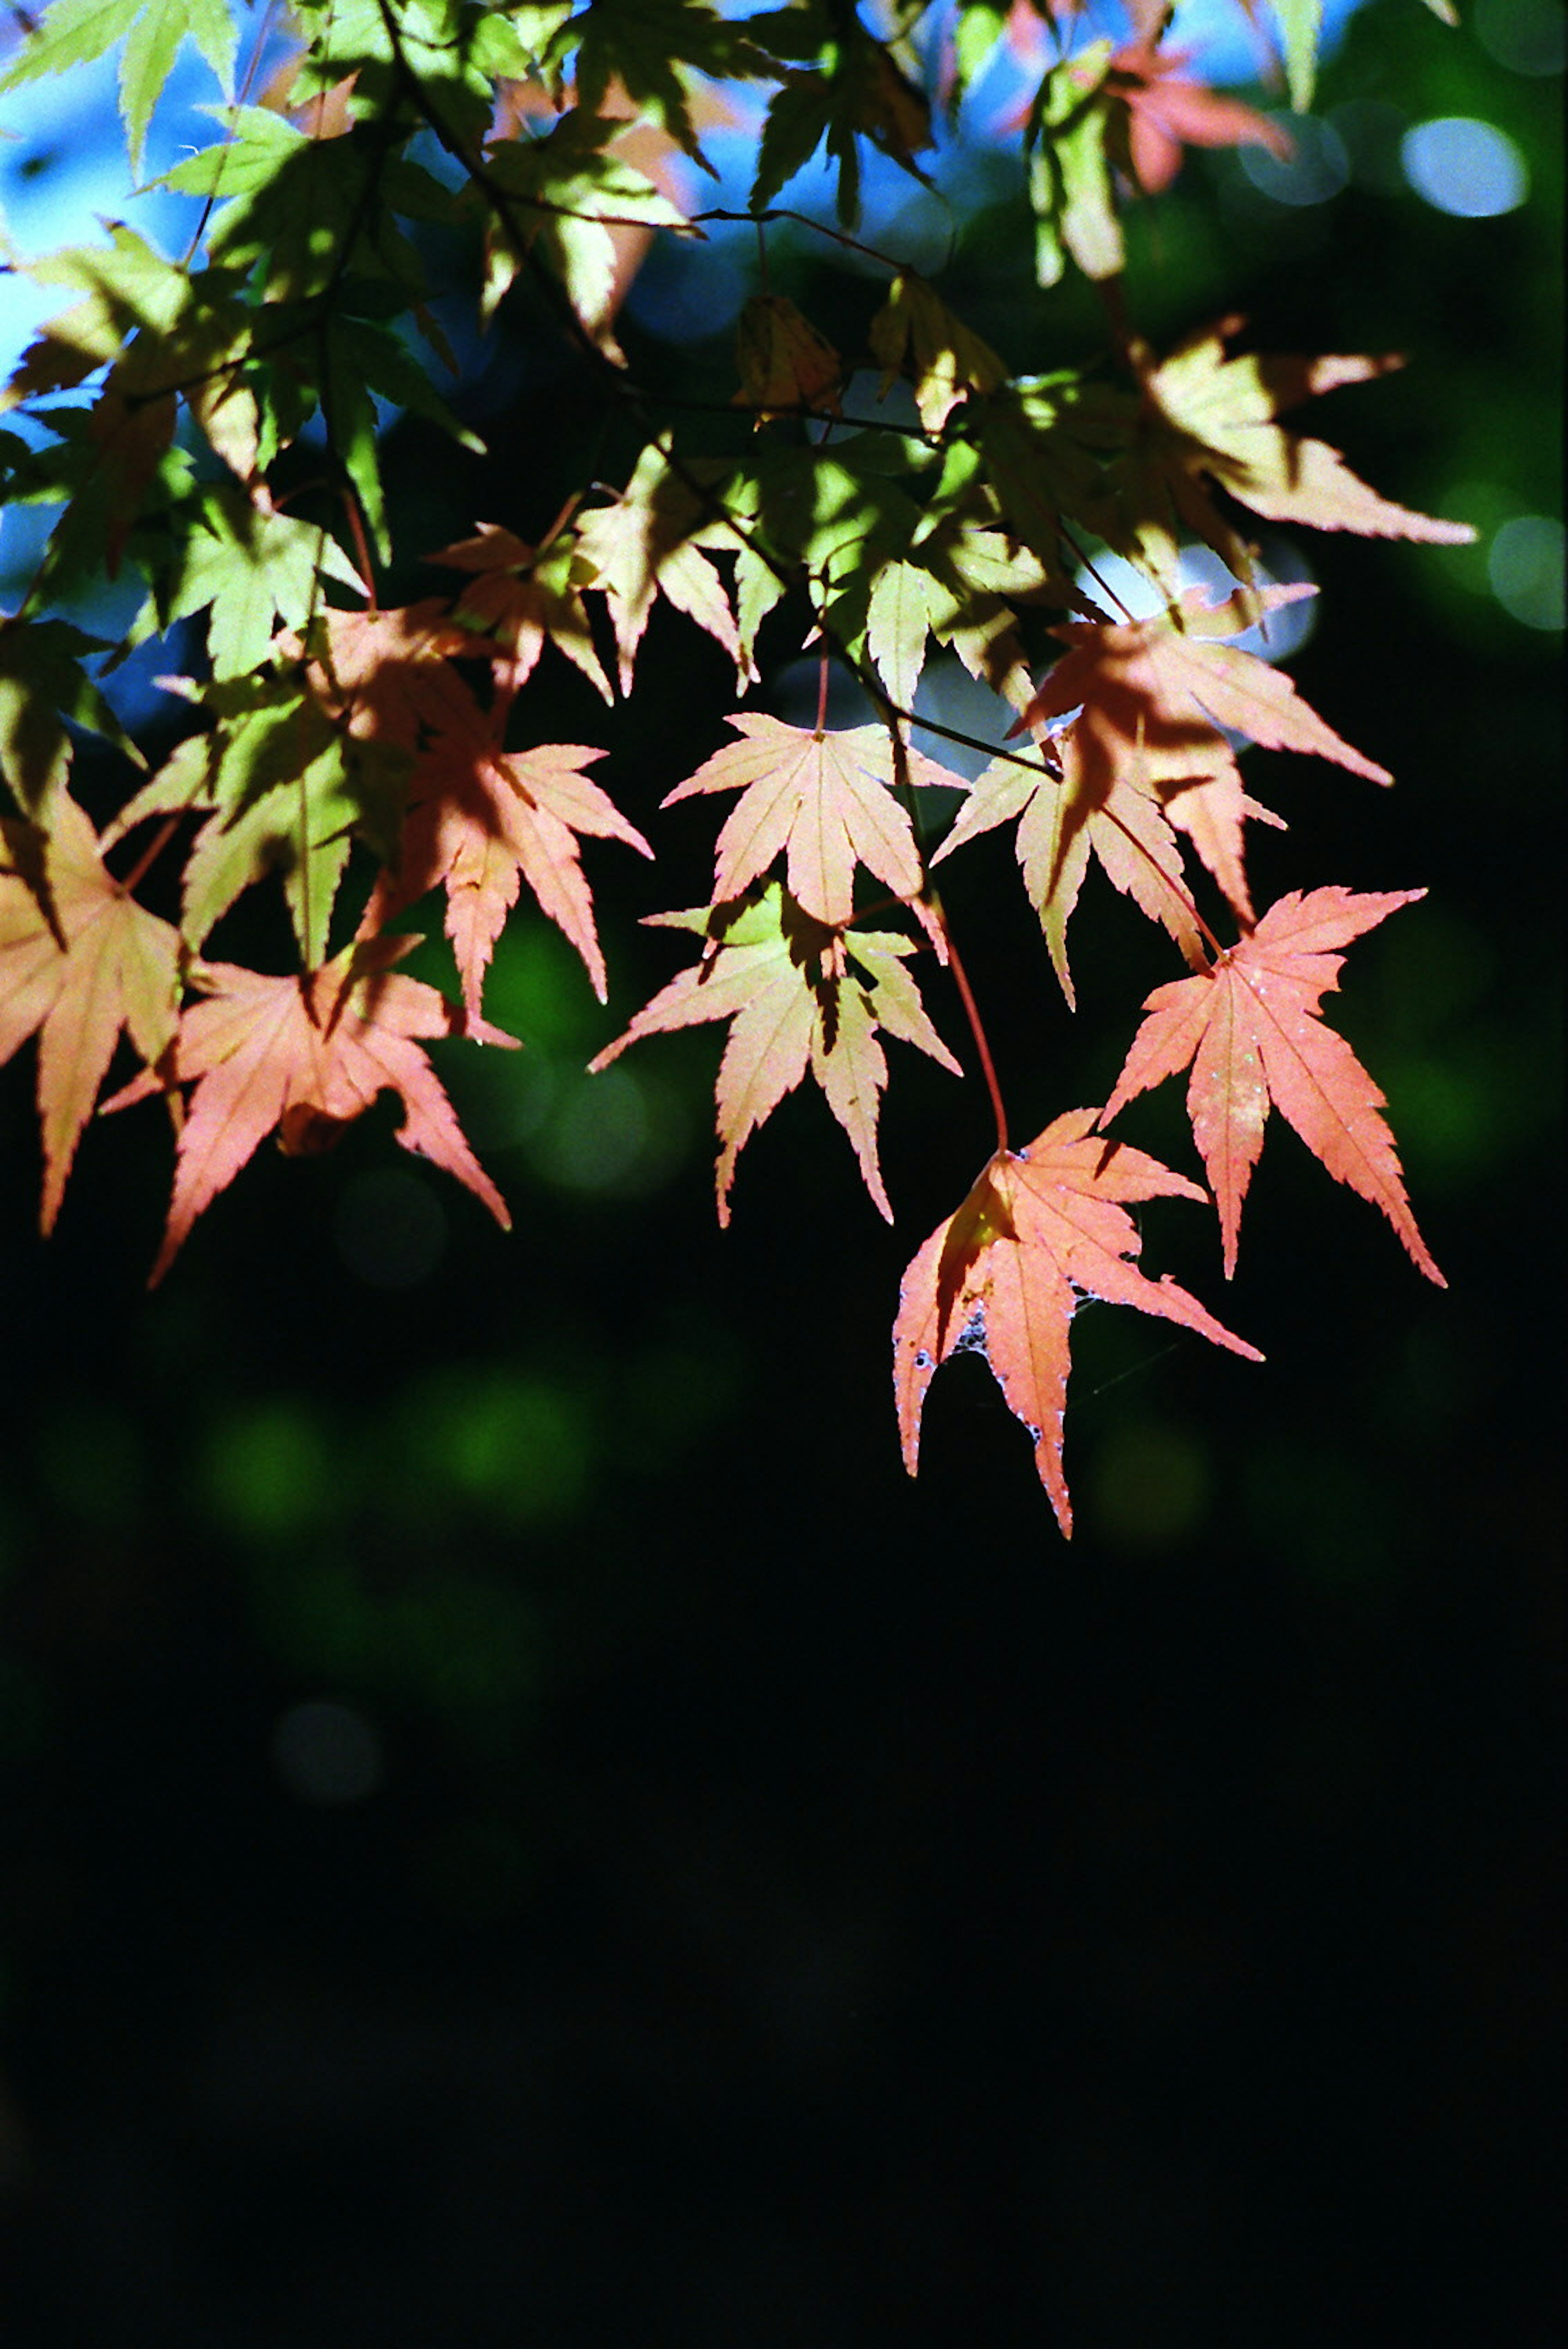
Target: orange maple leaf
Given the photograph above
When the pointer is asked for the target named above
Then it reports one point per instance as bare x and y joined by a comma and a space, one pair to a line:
307, 1055
1070, 803
481, 820
826, 799
1154, 697
525, 595
80, 961
803, 997
387, 676
1043, 1228
1253, 1028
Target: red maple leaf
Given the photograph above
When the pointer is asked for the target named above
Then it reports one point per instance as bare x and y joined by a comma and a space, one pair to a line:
1166, 111
80, 961
1163, 109
827, 799
305, 1056
481, 820
1041, 1229
1252, 1027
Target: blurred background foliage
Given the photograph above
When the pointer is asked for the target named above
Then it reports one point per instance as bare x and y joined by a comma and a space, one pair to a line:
520, 1823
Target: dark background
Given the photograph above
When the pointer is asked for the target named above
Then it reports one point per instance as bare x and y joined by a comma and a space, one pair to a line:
520, 1823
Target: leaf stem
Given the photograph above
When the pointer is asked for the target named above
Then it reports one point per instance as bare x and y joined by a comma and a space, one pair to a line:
150, 853
972, 1012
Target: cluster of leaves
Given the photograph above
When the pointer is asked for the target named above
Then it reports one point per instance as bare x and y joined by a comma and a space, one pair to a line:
363, 757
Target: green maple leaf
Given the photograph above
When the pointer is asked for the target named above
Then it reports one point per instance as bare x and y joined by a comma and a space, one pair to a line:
1038, 442
258, 570
74, 32
283, 792
835, 512
978, 27
305, 208
566, 195
645, 544
127, 286
1070, 170
453, 51
41, 677
643, 44
915, 334
1301, 25
855, 89
959, 584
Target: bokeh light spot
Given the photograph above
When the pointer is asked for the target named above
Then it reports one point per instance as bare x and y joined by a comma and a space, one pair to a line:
516, 1448
1114, 583
1318, 169
1527, 37
1524, 564
326, 1754
1464, 167
390, 1228
1148, 1488
268, 1473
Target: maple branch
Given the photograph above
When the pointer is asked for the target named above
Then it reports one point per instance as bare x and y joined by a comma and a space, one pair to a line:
930, 898
628, 390
804, 219
799, 410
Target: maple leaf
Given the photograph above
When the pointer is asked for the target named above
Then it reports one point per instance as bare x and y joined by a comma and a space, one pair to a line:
1067, 133
387, 676
1210, 417
73, 32
915, 334
480, 820
960, 584
80, 961
827, 799
42, 679
301, 210
1041, 1229
854, 90
1251, 1027
643, 546
307, 1055
803, 997
1153, 696
783, 364
283, 790
1068, 804
644, 45
525, 595
257, 569
1166, 112
575, 203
